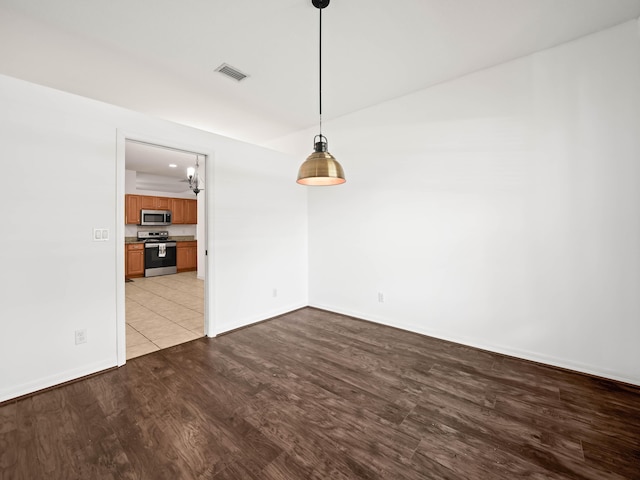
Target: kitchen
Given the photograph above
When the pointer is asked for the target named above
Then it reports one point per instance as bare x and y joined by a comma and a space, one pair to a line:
164, 285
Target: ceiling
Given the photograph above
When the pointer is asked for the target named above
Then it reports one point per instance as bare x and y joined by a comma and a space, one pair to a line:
160, 168
159, 56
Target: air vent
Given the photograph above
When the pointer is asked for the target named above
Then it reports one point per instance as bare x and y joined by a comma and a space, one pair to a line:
231, 72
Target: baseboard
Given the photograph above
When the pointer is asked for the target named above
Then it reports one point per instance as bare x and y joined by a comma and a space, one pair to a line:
561, 363
248, 321
53, 380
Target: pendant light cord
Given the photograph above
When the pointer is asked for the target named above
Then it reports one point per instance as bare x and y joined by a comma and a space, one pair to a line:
320, 71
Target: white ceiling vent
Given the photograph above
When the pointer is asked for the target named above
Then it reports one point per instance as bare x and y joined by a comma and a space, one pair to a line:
231, 72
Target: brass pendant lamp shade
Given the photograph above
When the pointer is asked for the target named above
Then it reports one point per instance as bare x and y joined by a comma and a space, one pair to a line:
320, 168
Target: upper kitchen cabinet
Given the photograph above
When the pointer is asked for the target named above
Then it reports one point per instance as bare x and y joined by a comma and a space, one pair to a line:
191, 212
184, 211
132, 207
163, 203
155, 203
147, 202
177, 210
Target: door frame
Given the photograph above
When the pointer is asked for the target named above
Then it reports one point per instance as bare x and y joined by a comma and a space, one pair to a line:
171, 142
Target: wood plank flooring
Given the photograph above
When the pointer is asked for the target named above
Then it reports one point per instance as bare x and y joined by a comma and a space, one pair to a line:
315, 395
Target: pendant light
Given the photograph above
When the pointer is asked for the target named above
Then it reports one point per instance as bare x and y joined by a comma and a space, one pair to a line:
320, 168
193, 178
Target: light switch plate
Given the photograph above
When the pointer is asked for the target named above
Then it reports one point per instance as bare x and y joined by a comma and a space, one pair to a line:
81, 336
100, 234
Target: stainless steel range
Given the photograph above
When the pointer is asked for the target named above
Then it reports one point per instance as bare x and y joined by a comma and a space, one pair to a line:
159, 253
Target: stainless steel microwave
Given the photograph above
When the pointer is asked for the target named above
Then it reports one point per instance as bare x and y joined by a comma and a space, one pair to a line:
155, 217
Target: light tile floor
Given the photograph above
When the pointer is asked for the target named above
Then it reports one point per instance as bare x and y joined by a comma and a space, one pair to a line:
163, 311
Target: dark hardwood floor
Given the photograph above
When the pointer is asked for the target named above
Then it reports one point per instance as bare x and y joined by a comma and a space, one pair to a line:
315, 395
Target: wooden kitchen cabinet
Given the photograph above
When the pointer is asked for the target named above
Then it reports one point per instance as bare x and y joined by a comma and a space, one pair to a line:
132, 206
155, 203
163, 203
183, 210
191, 212
134, 260
148, 202
187, 256
177, 210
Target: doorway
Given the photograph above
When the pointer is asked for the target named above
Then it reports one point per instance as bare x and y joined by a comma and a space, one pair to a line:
165, 310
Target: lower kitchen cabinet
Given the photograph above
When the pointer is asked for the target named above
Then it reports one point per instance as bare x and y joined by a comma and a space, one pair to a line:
134, 260
187, 256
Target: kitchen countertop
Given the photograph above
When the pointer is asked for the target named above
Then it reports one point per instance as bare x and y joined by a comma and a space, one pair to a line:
177, 238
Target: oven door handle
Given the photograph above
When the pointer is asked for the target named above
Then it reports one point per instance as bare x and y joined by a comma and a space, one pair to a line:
156, 245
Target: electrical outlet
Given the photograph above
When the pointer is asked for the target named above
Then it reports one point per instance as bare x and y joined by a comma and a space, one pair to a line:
81, 336
380, 297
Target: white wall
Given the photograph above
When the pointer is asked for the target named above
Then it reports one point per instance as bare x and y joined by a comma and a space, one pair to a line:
260, 214
55, 279
500, 210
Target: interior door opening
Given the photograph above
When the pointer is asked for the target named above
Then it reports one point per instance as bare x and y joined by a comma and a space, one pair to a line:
164, 281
